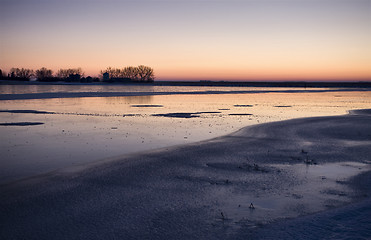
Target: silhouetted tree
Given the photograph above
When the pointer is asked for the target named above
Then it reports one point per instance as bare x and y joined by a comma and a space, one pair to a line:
114, 75
21, 73
44, 73
145, 74
113, 72
65, 73
130, 72
141, 73
2, 74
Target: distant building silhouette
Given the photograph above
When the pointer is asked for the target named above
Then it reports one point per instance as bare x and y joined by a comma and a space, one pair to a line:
105, 76
74, 77
89, 79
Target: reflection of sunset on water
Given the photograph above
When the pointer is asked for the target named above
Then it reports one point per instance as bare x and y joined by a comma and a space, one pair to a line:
88, 129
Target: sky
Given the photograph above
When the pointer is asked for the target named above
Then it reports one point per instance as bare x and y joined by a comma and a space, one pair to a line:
236, 40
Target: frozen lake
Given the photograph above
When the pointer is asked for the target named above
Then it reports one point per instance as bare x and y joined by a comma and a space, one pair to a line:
78, 130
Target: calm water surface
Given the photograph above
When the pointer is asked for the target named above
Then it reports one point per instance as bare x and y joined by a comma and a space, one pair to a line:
83, 130
16, 89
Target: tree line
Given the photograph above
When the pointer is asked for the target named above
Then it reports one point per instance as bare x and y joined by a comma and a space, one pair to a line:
42, 74
127, 74
138, 74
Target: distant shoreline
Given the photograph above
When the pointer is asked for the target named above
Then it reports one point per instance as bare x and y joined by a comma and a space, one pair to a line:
49, 95
299, 84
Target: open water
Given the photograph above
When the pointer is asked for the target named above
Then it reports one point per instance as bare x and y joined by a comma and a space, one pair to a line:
42, 135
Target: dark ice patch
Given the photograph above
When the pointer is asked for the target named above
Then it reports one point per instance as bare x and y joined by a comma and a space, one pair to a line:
27, 111
240, 114
21, 124
147, 106
183, 115
205, 112
177, 115
239, 105
131, 115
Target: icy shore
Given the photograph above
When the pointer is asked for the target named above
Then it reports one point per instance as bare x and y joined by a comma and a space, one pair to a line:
300, 175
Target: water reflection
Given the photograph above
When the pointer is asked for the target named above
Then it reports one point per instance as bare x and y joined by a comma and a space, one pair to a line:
129, 100
89, 129
69, 88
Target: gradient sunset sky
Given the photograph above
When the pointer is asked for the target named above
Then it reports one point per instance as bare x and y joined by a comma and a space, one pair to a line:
193, 39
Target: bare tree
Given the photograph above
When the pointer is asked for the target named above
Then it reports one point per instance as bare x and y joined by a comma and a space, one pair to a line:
44, 73
145, 73
65, 73
21, 73
113, 72
130, 72
141, 73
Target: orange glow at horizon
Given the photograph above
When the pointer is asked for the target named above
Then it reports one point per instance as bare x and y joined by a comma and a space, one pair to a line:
198, 40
